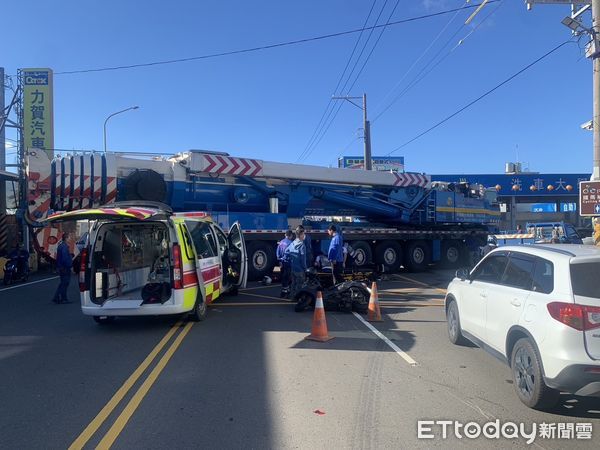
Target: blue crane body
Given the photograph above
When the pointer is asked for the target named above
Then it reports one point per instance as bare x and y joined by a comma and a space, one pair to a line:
390, 218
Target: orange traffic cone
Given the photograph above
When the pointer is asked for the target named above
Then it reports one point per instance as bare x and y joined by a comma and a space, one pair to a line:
374, 314
319, 325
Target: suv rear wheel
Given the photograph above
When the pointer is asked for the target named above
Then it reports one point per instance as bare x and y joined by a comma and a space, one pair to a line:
528, 377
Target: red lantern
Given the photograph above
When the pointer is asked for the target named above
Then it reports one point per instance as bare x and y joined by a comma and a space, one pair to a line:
550, 187
569, 187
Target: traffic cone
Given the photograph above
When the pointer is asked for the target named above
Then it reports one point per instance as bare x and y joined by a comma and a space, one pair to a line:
374, 314
319, 325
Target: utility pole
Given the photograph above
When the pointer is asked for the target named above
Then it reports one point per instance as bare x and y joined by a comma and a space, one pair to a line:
592, 51
596, 80
3, 112
366, 126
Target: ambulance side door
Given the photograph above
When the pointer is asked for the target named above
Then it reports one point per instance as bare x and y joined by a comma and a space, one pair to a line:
222, 247
209, 261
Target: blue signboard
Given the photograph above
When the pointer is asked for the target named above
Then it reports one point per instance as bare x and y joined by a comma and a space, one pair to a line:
381, 163
568, 207
543, 207
524, 184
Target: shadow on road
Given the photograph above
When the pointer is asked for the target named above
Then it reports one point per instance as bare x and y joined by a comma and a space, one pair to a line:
574, 406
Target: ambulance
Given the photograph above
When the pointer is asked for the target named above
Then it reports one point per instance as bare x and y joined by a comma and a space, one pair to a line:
143, 259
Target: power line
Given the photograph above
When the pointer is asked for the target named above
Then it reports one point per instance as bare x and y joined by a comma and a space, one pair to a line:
361, 69
426, 70
331, 118
319, 125
263, 47
481, 97
416, 61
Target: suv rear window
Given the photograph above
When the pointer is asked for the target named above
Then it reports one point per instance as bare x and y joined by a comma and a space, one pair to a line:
585, 280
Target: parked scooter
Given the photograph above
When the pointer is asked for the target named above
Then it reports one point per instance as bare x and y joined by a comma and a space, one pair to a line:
347, 296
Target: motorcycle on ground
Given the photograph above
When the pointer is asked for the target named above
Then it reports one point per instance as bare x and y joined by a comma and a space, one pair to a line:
346, 296
13, 271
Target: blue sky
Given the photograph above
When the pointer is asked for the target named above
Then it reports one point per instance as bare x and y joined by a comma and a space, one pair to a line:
267, 104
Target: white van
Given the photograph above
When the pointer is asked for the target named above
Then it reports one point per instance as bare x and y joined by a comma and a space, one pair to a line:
143, 259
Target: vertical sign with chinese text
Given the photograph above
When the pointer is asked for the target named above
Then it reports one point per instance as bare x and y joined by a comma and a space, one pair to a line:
38, 116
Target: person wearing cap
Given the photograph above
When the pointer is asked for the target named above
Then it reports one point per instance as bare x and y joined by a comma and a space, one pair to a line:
492, 243
336, 254
64, 264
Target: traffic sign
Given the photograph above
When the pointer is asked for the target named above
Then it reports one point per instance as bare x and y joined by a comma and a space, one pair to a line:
589, 198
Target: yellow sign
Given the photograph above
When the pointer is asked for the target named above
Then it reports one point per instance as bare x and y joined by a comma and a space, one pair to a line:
38, 114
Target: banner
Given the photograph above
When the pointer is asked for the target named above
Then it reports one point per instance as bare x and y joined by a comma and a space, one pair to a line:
38, 115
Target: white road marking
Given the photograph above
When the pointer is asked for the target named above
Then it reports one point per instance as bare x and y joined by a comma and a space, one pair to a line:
405, 356
27, 284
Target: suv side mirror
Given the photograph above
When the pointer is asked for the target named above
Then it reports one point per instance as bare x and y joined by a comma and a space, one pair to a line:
463, 274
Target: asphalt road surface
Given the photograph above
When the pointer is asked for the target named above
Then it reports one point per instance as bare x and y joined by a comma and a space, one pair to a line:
246, 378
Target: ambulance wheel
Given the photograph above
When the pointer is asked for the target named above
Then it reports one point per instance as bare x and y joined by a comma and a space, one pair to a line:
198, 314
103, 320
261, 259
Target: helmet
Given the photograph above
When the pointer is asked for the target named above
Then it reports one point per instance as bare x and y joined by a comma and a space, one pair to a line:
492, 240
266, 280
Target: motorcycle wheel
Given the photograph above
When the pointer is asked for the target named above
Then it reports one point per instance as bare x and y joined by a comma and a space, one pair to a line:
360, 299
305, 300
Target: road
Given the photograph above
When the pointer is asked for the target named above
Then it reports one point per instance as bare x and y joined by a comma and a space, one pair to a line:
246, 377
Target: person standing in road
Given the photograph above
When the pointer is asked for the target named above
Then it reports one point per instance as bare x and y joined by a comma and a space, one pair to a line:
472, 244
284, 265
336, 254
296, 255
64, 263
308, 245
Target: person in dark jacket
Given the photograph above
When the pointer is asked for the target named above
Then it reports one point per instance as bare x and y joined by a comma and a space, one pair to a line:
336, 254
296, 255
284, 265
21, 258
308, 245
64, 263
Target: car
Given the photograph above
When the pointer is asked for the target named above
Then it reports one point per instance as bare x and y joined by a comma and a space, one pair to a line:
536, 308
144, 259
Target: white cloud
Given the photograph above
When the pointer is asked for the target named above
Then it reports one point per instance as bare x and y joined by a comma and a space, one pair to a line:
435, 4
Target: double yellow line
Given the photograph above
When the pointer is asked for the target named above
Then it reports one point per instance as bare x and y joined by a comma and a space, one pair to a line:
119, 424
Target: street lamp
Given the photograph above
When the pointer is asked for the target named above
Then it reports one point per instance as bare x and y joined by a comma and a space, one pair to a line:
114, 114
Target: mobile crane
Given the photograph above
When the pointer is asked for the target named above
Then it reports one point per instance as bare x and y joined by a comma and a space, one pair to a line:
389, 218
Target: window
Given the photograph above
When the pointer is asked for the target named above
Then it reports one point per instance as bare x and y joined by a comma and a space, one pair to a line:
585, 280
202, 238
222, 239
491, 269
543, 276
518, 272
187, 243
570, 231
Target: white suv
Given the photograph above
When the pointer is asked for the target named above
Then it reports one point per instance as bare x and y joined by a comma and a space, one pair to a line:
537, 308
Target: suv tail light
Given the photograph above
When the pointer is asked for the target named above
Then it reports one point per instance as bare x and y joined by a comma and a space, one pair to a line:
580, 317
82, 264
177, 267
